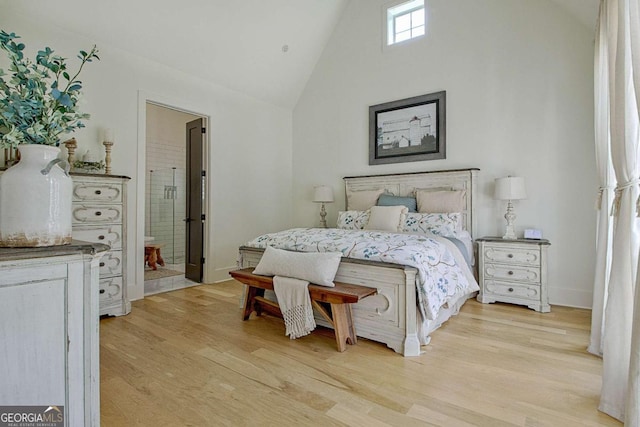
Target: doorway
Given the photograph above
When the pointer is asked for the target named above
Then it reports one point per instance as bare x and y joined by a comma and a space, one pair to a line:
166, 198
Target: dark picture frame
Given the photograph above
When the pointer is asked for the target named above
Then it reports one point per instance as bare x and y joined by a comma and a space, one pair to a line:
408, 130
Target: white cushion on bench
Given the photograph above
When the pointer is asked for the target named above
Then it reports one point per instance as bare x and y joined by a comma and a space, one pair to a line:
318, 268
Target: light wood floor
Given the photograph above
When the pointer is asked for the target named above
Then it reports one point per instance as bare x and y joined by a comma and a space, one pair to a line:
185, 358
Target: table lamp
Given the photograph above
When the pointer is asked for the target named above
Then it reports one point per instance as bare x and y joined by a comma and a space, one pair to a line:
323, 194
510, 188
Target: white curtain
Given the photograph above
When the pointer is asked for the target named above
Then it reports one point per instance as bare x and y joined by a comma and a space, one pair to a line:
632, 417
625, 145
607, 184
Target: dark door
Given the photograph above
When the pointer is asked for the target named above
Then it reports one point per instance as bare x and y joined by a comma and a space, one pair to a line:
194, 258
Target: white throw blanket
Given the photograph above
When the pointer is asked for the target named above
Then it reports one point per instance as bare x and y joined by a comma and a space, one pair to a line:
295, 305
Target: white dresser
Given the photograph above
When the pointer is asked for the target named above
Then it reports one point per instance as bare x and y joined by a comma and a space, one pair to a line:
99, 215
513, 271
49, 331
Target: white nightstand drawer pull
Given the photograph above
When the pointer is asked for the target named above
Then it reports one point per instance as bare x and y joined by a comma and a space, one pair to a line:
510, 289
511, 255
91, 214
513, 273
97, 192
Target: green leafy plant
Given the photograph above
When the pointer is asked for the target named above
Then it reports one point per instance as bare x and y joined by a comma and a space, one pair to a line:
39, 100
89, 166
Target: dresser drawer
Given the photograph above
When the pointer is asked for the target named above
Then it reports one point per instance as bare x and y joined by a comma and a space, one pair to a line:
97, 192
108, 234
511, 290
97, 214
111, 264
110, 289
511, 255
512, 272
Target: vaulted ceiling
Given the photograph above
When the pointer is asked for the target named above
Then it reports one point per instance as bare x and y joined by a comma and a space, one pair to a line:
264, 48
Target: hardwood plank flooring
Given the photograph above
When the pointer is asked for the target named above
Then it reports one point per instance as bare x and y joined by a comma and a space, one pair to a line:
186, 358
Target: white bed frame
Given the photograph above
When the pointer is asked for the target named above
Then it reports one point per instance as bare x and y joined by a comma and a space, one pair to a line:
391, 316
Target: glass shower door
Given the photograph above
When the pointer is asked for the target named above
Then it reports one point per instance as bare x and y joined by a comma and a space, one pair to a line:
165, 213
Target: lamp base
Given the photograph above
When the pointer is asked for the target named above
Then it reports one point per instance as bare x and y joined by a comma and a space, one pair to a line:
323, 217
510, 232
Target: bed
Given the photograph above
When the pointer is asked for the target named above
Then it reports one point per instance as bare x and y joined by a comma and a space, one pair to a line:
393, 316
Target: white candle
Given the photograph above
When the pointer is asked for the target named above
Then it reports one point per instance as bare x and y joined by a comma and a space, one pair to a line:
108, 135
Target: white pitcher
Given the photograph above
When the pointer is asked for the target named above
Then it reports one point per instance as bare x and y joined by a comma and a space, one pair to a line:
35, 199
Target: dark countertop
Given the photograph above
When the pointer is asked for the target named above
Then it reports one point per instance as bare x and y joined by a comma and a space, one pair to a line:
72, 173
11, 254
500, 239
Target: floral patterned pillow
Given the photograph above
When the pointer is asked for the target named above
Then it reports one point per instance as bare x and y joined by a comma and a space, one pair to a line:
352, 220
440, 224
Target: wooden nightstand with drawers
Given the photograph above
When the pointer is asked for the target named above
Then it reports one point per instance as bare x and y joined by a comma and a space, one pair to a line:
513, 271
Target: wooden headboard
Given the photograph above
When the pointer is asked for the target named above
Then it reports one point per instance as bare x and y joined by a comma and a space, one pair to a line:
405, 184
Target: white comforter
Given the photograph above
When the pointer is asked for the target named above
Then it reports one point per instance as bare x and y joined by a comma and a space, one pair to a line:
443, 274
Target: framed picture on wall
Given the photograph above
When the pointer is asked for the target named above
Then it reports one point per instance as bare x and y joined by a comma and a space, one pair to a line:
408, 130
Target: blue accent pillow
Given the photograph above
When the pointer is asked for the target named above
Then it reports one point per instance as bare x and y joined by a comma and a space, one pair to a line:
390, 200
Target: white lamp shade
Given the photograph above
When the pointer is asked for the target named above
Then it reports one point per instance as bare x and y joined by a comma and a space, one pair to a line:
323, 194
510, 188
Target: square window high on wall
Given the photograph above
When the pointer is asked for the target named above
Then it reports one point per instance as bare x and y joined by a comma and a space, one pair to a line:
405, 21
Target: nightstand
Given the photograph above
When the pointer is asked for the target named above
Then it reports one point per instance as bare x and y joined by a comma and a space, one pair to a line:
513, 271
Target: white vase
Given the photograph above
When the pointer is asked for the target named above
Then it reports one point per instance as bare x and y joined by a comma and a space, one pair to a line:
35, 200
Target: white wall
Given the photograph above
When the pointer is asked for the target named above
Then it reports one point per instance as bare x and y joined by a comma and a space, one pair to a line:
519, 82
249, 143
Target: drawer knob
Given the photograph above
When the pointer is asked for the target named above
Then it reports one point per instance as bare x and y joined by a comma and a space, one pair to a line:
102, 264
98, 192
510, 289
101, 237
98, 213
510, 256
102, 291
510, 273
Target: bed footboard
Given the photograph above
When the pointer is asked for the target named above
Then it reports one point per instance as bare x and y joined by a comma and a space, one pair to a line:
390, 317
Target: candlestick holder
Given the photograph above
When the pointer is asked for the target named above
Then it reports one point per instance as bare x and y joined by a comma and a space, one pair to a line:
11, 157
71, 145
107, 157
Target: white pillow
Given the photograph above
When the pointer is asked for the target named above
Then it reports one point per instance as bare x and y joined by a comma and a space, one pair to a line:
446, 201
363, 199
352, 220
441, 224
386, 218
318, 268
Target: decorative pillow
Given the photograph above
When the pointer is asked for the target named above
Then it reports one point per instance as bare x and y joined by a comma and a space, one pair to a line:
441, 224
352, 220
446, 201
363, 200
318, 268
386, 218
391, 200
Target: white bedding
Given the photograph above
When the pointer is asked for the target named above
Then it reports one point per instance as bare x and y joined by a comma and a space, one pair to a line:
444, 276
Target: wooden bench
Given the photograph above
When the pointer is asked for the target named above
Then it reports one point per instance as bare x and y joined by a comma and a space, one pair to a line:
334, 304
